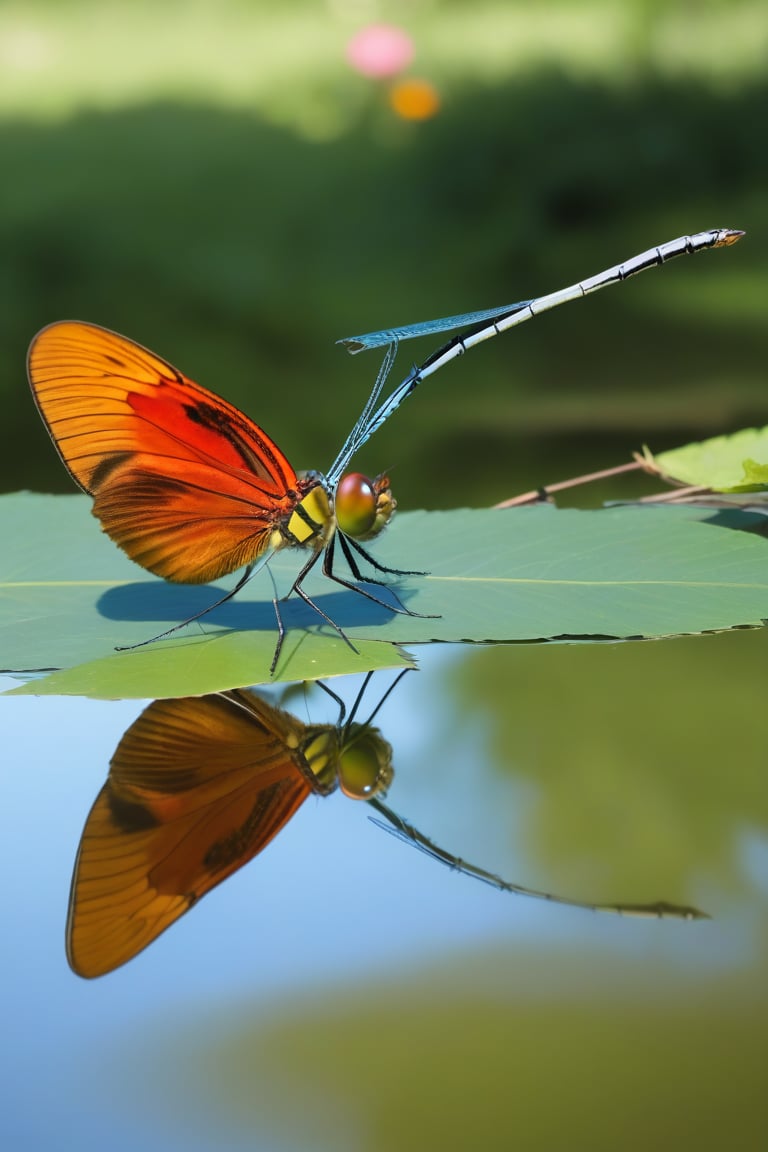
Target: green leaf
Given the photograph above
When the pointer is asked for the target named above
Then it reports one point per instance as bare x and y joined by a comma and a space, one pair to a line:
756, 474
737, 463
526, 574
192, 666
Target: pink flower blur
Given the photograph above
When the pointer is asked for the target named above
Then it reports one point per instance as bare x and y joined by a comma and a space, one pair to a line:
380, 50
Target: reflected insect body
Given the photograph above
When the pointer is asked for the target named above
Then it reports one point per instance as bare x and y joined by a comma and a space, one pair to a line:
192, 489
198, 787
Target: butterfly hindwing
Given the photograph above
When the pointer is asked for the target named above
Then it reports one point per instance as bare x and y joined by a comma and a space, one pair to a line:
185, 483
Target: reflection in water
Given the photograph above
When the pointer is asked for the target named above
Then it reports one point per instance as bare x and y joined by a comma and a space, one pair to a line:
407, 832
198, 786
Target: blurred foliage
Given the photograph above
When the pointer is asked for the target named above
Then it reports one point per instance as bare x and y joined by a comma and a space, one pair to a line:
212, 223
511, 1049
652, 772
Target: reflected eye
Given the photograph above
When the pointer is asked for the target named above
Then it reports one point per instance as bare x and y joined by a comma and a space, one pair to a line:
365, 764
363, 506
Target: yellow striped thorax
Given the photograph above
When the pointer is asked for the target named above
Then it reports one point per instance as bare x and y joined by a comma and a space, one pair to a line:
311, 524
320, 749
361, 509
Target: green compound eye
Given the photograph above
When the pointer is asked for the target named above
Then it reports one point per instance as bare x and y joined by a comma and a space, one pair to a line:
355, 505
365, 764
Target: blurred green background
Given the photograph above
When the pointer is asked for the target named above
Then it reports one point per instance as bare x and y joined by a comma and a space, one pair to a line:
215, 180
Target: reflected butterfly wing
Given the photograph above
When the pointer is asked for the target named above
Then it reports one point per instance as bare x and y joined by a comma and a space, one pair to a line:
197, 787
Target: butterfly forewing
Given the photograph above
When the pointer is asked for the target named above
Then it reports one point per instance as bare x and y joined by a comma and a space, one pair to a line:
196, 789
186, 484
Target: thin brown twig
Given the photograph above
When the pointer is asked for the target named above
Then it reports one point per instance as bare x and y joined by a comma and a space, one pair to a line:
539, 495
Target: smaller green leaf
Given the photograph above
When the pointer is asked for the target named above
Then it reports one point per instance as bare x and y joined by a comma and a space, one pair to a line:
755, 473
204, 664
736, 463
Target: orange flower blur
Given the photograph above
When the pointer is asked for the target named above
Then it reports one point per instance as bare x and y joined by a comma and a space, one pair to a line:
414, 99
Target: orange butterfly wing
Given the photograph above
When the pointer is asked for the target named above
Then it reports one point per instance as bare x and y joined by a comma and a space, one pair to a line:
185, 483
197, 787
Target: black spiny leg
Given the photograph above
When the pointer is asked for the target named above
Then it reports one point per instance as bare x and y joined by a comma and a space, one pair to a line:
347, 543
191, 619
398, 606
297, 588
